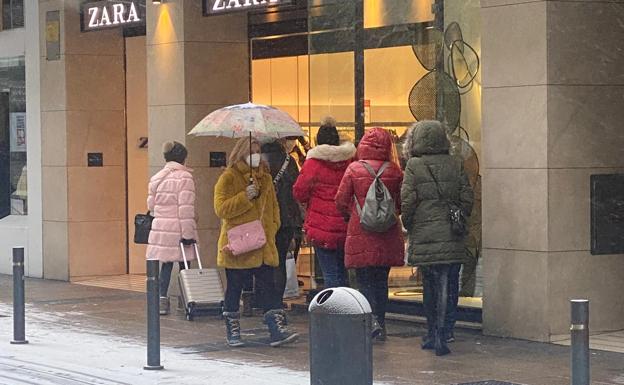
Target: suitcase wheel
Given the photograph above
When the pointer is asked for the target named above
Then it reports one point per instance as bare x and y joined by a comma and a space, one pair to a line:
189, 312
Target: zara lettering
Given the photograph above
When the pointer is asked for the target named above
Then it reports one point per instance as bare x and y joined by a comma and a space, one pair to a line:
110, 15
223, 6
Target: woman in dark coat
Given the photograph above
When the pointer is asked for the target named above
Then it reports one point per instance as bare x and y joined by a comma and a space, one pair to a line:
284, 171
372, 254
433, 178
316, 188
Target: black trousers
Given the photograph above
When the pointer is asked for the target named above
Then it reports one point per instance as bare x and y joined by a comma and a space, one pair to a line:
283, 238
435, 297
237, 279
373, 284
165, 276
453, 297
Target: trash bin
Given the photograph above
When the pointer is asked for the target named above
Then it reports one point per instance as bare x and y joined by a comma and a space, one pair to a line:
341, 351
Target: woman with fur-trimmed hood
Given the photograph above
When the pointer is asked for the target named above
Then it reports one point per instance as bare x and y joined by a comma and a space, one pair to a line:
433, 178
316, 188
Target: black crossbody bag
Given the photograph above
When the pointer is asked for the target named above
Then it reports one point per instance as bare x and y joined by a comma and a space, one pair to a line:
459, 222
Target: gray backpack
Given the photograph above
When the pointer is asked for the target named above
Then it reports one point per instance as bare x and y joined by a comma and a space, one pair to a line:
378, 213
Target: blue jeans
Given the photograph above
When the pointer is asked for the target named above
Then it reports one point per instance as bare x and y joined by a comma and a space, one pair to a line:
453, 297
332, 265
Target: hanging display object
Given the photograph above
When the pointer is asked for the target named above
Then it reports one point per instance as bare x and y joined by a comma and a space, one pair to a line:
429, 48
461, 148
452, 35
436, 97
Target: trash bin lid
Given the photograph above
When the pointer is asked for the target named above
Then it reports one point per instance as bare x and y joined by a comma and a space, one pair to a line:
339, 300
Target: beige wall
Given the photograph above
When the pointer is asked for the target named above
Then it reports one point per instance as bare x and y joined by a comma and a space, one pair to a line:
84, 229
195, 65
136, 116
551, 115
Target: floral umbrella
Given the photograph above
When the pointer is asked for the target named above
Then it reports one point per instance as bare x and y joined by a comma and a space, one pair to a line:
255, 120
241, 120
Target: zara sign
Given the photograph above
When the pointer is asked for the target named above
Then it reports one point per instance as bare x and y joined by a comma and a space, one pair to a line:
216, 7
111, 14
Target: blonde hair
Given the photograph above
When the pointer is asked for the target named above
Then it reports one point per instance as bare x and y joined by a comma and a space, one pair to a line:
241, 151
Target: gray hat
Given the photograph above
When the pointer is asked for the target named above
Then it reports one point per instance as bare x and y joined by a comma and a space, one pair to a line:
174, 152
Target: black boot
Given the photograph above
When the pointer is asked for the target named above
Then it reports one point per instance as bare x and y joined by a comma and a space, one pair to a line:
232, 327
376, 327
441, 348
280, 335
383, 334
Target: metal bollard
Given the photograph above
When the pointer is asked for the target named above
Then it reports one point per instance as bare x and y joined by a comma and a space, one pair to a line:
19, 310
153, 317
579, 332
341, 350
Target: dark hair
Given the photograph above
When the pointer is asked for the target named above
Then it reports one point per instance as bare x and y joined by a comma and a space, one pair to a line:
175, 152
328, 134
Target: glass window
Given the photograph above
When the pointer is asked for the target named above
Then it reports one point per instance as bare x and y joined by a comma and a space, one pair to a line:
12, 14
13, 177
387, 63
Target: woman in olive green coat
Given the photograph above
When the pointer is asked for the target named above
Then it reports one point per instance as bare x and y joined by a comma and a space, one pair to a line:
433, 178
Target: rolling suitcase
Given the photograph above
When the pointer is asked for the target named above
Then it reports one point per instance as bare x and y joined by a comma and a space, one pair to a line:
201, 290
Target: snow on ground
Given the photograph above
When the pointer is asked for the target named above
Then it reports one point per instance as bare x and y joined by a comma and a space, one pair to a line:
57, 355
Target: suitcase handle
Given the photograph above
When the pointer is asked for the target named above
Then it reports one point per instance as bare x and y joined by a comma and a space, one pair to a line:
186, 265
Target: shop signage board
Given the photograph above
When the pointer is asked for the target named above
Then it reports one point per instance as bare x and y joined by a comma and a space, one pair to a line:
97, 15
217, 7
607, 214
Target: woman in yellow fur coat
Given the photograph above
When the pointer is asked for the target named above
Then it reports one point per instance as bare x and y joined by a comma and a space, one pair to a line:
238, 201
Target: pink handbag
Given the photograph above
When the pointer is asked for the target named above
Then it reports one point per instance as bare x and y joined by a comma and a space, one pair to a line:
247, 237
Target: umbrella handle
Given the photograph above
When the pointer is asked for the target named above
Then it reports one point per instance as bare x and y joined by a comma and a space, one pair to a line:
251, 165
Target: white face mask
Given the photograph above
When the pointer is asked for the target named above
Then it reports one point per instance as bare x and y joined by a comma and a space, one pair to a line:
253, 160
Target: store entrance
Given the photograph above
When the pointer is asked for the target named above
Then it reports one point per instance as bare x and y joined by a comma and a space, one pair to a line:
315, 62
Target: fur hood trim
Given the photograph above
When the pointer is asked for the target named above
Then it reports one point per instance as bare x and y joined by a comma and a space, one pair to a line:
332, 154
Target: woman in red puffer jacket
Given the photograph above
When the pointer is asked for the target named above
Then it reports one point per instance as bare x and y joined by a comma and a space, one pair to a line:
316, 188
372, 254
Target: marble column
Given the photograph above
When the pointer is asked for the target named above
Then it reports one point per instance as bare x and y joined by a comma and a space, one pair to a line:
195, 65
552, 96
82, 103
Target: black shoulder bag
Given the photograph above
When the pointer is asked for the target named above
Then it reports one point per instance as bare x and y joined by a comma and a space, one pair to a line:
142, 228
143, 222
459, 222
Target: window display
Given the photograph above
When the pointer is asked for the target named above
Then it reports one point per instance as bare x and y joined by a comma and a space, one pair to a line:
12, 14
403, 63
13, 138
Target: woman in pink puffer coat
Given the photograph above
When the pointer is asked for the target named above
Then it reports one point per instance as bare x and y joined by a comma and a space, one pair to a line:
171, 201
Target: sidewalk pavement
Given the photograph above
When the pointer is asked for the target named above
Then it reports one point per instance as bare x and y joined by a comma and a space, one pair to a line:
92, 335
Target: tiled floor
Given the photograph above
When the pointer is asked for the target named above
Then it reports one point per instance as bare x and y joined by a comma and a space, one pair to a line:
608, 342
121, 282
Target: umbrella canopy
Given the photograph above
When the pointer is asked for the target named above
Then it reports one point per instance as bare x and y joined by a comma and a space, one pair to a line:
241, 120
